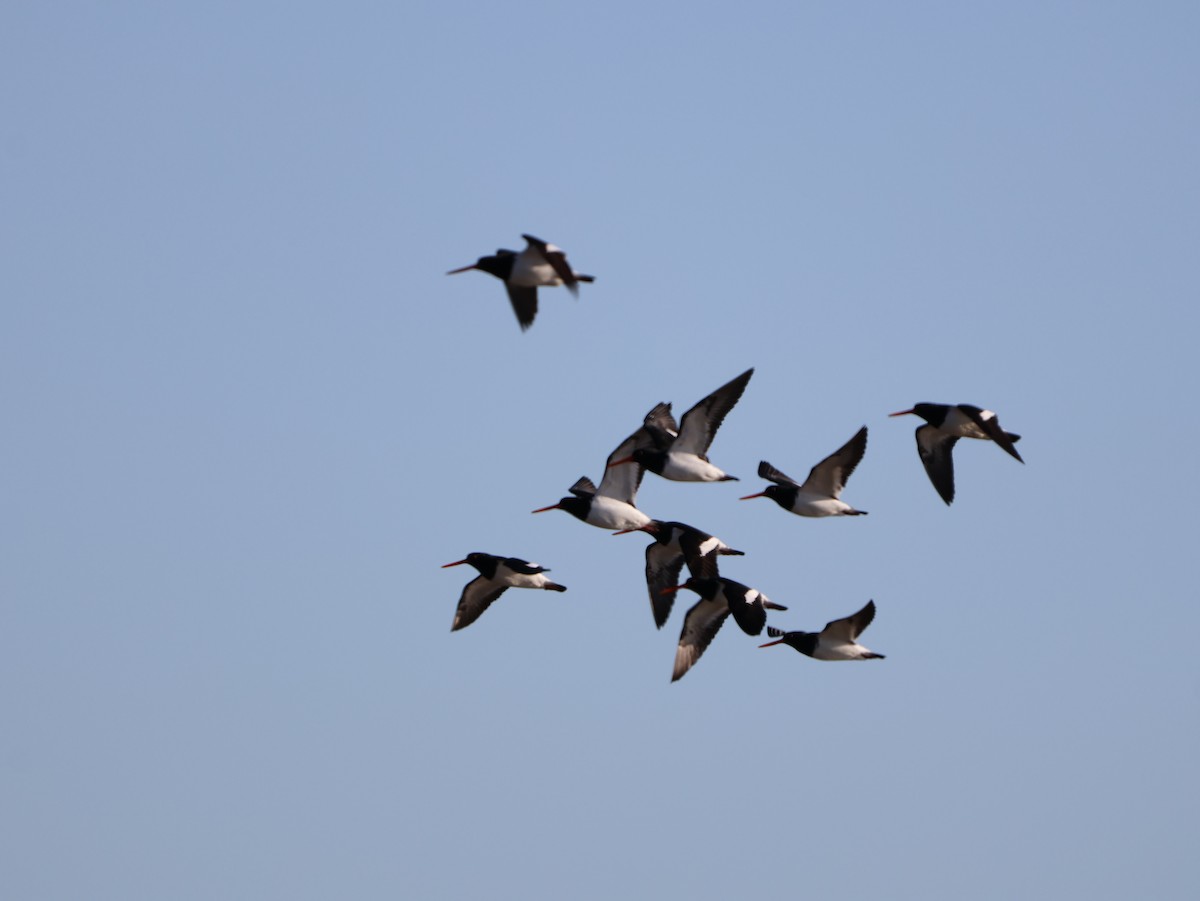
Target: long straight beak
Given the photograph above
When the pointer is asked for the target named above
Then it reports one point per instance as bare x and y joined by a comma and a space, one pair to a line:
749, 497
455, 563
901, 413
770, 643
671, 590
544, 509
619, 462
463, 269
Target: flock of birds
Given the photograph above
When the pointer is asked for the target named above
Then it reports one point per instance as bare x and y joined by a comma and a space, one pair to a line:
679, 451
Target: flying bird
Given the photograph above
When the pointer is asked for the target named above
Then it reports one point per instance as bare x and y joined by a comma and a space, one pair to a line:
837, 641
680, 452
676, 543
538, 265
611, 506
821, 492
945, 424
718, 599
496, 575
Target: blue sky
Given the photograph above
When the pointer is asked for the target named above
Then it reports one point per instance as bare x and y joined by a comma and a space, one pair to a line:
247, 418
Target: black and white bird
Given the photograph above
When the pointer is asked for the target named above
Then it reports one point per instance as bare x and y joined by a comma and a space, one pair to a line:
676, 543
496, 575
718, 599
837, 641
945, 424
821, 492
538, 265
680, 452
611, 506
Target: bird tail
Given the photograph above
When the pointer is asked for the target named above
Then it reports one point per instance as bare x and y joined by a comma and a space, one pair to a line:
554, 586
775, 633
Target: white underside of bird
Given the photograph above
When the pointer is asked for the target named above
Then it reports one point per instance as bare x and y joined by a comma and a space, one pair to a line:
841, 651
609, 513
505, 576
683, 467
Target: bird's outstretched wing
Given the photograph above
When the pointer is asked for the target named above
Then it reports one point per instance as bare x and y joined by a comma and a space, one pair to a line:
583, 487
622, 482
477, 596
849, 628
699, 424
829, 477
700, 625
661, 428
664, 562
524, 303
935, 448
771, 474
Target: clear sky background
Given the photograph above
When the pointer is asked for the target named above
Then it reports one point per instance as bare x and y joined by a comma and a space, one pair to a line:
247, 417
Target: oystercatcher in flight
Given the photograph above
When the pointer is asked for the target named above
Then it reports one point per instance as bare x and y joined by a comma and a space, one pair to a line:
837, 641
496, 575
676, 543
821, 492
611, 505
538, 265
945, 424
718, 599
680, 452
